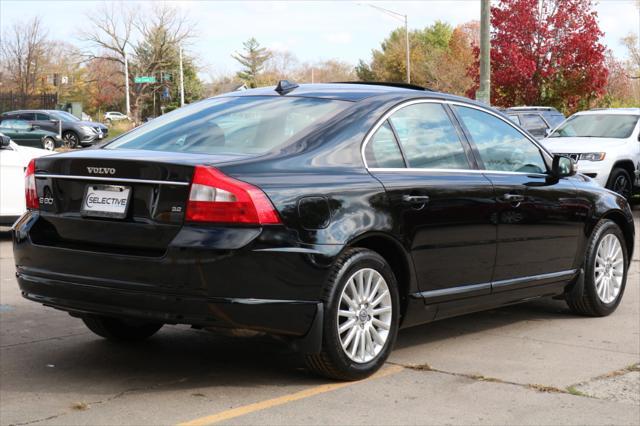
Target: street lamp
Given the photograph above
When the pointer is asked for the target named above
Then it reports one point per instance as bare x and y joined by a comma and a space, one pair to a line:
400, 17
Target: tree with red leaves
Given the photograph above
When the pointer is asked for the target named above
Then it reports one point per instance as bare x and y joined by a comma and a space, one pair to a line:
546, 52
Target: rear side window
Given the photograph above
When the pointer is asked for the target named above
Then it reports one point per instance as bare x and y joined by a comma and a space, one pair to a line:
500, 145
382, 151
428, 138
232, 125
29, 116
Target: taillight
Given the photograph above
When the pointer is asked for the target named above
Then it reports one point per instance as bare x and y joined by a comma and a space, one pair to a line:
30, 192
218, 198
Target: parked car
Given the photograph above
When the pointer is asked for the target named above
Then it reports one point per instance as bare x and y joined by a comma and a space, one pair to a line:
537, 120
606, 145
328, 214
14, 159
26, 134
75, 132
115, 116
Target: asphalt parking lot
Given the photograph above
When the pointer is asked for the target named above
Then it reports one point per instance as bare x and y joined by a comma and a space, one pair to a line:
528, 364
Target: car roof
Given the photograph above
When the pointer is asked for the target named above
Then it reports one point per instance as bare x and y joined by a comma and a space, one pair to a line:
610, 111
532, 108
346, 91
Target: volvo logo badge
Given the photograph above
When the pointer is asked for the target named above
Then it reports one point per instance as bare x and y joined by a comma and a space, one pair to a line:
101, 170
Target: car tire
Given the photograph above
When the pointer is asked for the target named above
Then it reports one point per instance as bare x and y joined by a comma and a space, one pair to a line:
605, 272
375, 325
120, 330
49, 144
71, 139
620, 182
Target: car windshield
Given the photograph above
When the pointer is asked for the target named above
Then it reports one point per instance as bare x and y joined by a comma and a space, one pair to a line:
231, 125
617, 126
64, 116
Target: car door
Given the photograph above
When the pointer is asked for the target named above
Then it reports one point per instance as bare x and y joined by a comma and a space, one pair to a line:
28, 135
539, 218
46, 122
535, 125
442, 208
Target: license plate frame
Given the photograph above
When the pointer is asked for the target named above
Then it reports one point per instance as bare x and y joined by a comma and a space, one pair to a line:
117, 192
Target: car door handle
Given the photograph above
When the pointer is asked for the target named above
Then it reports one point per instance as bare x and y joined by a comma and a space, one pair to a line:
513, 198
415, 199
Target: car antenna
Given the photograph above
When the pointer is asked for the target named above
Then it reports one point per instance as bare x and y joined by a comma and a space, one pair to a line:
285, 86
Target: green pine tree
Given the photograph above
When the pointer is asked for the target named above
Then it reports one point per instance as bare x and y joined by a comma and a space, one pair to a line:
252, 59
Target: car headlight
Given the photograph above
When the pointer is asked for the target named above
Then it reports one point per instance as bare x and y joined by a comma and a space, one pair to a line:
593, 156
87, 129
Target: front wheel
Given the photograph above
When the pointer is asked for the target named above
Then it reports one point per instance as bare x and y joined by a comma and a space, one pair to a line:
361, 316
71, 140
620, 182
605, 272
120, 329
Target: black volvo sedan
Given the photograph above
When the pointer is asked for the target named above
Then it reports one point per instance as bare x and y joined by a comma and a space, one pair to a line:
330, 215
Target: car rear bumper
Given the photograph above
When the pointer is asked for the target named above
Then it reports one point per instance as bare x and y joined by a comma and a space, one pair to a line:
281, 317
207, 277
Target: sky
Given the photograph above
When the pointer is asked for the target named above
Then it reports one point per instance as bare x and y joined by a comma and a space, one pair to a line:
311, 30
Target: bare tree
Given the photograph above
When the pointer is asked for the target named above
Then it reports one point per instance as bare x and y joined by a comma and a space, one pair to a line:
24, 54
150, 41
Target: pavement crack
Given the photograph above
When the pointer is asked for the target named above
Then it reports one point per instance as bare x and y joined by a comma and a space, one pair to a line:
43, 340
482, 378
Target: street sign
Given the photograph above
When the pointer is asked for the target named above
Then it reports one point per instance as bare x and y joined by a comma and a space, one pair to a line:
145, 79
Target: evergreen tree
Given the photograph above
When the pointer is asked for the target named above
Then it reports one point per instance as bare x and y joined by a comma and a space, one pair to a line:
252, 59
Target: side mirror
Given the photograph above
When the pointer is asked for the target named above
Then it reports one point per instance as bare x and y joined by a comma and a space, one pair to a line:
547, 131
34, 127
563, 166
4, 141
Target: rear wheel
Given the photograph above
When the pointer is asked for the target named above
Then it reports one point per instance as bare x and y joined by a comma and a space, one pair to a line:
120, 329
49, 144
605, 272
620, 182
361, 315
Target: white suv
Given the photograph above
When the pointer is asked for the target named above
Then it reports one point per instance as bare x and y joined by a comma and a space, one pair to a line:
115, 116
606, 145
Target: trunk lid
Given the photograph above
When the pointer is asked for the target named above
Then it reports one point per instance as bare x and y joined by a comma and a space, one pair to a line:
157, 188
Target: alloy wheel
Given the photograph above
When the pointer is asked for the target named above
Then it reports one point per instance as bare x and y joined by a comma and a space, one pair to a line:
364, 315
622, 185
49, 144
70, 140
609, 268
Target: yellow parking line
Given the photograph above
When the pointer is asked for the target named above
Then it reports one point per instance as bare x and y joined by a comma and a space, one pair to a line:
285, 399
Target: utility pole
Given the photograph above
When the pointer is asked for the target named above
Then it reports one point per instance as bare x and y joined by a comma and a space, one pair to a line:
406, 38
126, 85
181, 81
484, 92
399, 16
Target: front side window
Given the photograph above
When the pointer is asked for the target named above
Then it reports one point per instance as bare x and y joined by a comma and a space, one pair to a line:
533, 121
16, 125
428, 138
42, 117
619, 126
500, 145
382, 151
242, 125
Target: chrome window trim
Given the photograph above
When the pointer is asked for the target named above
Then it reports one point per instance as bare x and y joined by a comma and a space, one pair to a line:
478, 171
112, 179
393, 110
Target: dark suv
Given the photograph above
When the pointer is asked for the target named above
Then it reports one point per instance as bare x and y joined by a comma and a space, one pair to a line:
75, 132
330, 215
538, 121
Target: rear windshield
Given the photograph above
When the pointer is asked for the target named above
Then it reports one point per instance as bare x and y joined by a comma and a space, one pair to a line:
597, 126
231, 125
